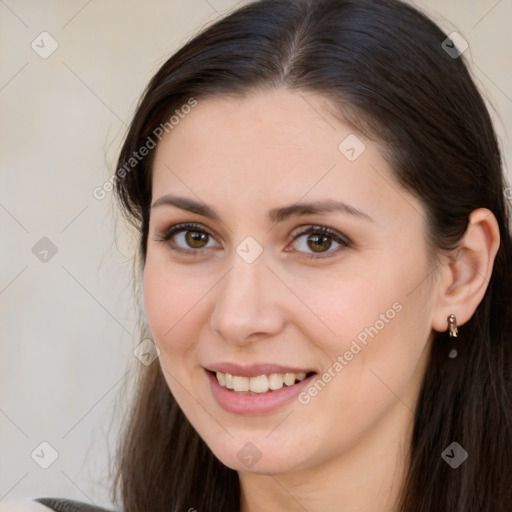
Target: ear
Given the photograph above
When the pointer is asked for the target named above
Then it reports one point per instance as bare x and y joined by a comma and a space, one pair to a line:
465, 274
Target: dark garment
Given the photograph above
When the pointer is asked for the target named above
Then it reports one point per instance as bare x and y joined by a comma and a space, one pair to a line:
65, 505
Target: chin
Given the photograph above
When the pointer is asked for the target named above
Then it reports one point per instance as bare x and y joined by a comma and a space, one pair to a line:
258, 459
262, 467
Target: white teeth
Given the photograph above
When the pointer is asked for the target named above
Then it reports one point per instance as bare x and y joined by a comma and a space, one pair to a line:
259, 384
240, 383
289, 379
221, 378
228, 380
275, 381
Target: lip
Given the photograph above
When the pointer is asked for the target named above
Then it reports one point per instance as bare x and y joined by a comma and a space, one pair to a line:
254, 370
242, 404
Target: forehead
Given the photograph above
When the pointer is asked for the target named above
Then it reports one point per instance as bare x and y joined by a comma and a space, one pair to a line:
268, 147
278, 124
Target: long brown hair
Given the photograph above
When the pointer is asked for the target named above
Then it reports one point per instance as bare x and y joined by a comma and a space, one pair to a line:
386, 70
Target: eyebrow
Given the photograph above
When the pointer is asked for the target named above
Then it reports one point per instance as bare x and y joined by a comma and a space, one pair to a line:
275, 215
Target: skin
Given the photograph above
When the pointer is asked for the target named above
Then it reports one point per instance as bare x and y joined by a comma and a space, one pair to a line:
345, 450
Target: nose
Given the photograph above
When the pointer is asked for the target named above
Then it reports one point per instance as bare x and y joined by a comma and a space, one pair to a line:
247, 305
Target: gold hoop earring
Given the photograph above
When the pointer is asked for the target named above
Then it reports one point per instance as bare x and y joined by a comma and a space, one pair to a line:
452, 326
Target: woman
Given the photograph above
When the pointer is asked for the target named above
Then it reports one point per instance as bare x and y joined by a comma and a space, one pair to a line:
326, 256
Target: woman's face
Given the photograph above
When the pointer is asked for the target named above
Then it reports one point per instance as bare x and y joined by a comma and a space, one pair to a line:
255, 289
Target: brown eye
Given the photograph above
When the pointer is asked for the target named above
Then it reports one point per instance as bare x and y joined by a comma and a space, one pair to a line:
196, 239
316, 242
319, 243
188, 239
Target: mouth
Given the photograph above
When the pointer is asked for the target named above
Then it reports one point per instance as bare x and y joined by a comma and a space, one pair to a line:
261, 388
259, 384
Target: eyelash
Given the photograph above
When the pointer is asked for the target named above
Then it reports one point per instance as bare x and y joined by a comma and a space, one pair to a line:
305, 230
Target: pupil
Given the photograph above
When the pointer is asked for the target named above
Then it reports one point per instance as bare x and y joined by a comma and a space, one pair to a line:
317, 241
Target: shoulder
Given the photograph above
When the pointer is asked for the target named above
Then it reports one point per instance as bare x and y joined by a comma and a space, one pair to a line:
22, 506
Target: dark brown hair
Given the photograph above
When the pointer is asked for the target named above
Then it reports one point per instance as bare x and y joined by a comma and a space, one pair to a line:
383, 66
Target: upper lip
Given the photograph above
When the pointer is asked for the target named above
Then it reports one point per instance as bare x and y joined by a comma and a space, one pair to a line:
254, 370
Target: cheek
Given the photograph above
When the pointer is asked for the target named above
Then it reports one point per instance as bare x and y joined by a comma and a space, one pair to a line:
374, 362
347, 306
378, 316
383, 330
169, 301
172, 306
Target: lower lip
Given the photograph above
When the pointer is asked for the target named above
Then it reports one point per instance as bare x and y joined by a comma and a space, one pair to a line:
239, 403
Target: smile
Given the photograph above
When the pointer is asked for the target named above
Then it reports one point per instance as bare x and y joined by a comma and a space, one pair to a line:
259, 384
259, 392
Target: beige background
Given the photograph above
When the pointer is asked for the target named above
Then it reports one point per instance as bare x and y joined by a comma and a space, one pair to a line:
67, 325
